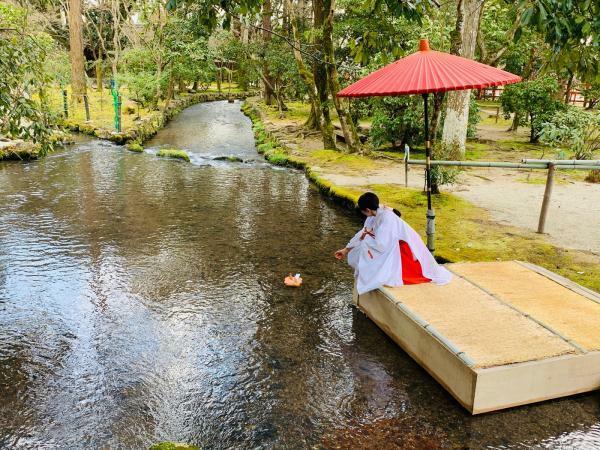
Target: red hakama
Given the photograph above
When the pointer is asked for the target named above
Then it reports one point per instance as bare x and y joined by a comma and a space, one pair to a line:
411, 267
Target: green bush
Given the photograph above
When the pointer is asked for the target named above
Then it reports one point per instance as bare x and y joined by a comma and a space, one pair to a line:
397, 119
534, 101
575, 129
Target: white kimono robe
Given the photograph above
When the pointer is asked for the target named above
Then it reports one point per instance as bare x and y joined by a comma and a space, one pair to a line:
376, 260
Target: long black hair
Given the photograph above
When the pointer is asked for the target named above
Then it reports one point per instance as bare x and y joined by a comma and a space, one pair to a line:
370, 201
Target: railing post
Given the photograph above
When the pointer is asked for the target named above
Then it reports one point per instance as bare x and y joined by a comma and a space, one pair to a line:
431, 230
406, 158
546, 201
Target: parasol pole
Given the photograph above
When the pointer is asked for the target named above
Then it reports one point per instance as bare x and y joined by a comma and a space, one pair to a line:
430, 212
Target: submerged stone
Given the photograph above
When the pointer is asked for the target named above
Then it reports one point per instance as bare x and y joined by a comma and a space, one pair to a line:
173, 153
229, 158
135, 147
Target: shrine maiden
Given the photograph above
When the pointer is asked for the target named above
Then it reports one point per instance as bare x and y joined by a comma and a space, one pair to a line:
387, 251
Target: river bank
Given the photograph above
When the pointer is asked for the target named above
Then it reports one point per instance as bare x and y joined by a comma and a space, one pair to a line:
465, 232
134, 133
147, 126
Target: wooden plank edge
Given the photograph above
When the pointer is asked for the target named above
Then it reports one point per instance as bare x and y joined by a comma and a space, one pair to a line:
587, 381
405, 345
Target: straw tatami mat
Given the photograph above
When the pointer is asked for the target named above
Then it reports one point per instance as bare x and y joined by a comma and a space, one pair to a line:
569, 313
488, 331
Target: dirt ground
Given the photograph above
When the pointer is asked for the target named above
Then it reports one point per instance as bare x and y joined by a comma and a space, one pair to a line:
573, 217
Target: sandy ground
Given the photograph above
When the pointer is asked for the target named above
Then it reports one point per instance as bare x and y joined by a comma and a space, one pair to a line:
573, 217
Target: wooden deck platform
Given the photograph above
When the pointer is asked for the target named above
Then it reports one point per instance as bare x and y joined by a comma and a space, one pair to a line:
501, 334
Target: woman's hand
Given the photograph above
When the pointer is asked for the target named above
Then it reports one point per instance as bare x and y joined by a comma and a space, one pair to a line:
341, 254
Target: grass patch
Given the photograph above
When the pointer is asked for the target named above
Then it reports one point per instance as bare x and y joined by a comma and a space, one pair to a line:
489, 104
173, 153
350, 161
102, 112
475, 150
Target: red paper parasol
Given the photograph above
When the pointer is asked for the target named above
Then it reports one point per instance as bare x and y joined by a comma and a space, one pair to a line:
424, 72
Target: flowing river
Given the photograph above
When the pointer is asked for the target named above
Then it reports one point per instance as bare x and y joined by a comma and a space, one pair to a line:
141, 300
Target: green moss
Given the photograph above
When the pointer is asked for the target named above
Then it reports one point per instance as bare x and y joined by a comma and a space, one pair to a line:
173, 153
173, 446
87, 128
135, 147
475, 150
265, 147
22, 151
278, 159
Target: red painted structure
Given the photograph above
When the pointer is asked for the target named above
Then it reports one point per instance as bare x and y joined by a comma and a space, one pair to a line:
428, 71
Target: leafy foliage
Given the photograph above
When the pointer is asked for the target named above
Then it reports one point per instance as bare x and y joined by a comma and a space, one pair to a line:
397, 119
142, 86
187, 55
573, 128
563, 23
23, 78
535, 99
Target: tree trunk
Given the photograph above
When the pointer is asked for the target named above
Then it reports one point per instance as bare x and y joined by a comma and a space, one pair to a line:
244, 30
313, 120
320, 79
182, 86
568, 87
170, 92
266, 24
438, 99
78, 85
285, 18
534, 135
116, 13
514, 126
333, 82
99, 74
464, 39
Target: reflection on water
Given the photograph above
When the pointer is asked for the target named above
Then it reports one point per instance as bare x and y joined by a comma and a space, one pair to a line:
142, 300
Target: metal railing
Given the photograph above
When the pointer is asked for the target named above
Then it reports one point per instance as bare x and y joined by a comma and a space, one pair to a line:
543, 164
